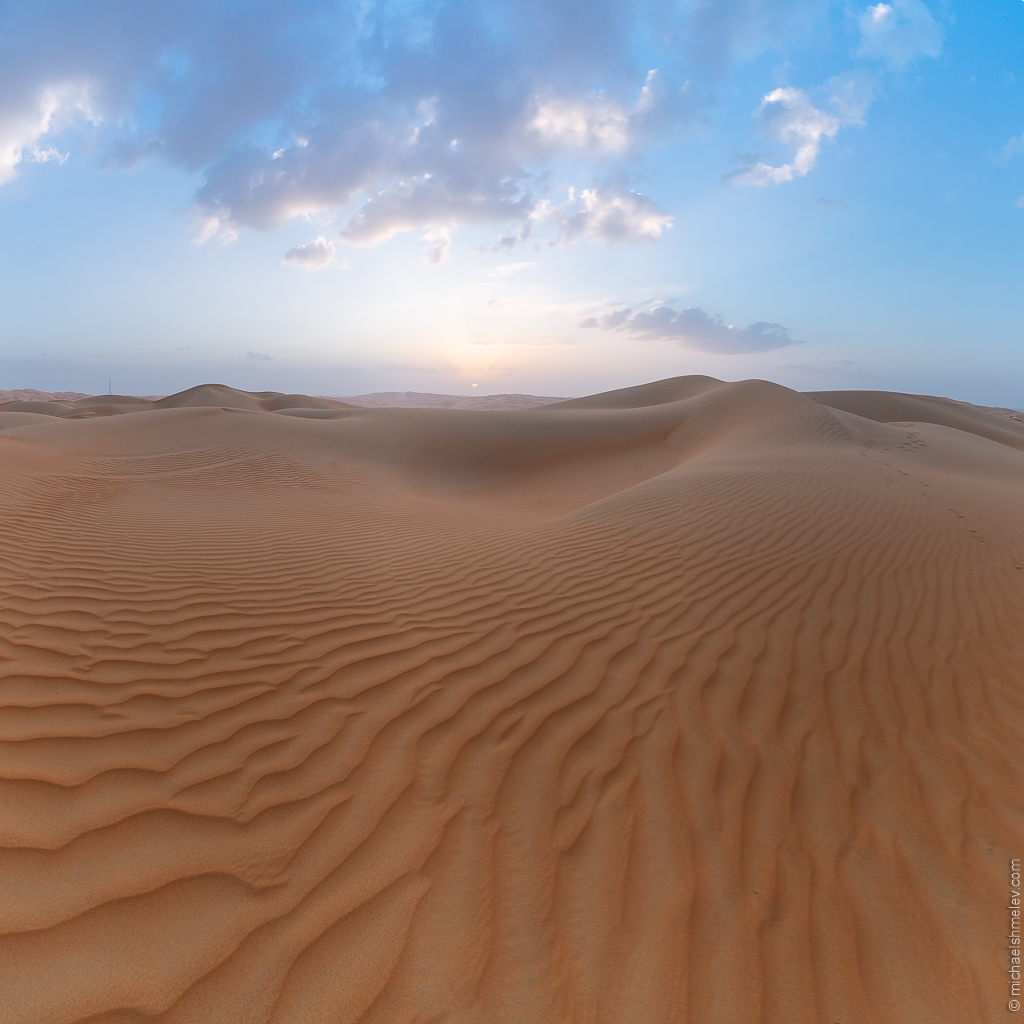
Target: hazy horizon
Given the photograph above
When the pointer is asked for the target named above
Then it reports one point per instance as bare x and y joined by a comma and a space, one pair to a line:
478, 395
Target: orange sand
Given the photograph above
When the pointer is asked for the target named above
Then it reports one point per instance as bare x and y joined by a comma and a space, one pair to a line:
694, 702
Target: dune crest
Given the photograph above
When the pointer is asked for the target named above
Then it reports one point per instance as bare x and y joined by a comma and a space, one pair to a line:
426, 400
31, 395
695, 702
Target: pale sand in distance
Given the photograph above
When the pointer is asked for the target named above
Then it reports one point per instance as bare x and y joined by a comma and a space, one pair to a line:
379, 399
693, 702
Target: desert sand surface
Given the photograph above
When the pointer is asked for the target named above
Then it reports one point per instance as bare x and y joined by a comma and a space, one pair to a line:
694, 702
377, 400
31, 395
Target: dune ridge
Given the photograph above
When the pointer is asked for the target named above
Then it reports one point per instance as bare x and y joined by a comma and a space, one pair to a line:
695, 702
31, 395
379, 399
426, 400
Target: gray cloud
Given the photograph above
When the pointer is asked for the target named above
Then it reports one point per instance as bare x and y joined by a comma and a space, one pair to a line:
606, 214
390, 116
695, 329
312, 256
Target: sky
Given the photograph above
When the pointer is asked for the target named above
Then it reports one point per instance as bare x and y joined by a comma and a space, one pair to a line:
530, 196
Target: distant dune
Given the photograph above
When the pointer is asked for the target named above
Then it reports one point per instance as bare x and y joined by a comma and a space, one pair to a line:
419, 400
31, 395
379, 399
692, 702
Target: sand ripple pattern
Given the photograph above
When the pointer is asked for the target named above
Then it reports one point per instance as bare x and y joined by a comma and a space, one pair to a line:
701, 703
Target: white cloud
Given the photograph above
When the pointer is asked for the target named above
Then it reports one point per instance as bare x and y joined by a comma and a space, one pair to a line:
588, 123
312, 256
593, 122
787, 115
850, 94
440, 239
1012, 148
607, 215
695, 329
899, 33
23, 124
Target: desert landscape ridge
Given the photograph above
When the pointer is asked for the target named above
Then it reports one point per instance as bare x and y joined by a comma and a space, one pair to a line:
693, 702
378, 399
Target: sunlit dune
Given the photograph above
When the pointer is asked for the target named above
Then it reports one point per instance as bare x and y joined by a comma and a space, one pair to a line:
693, 702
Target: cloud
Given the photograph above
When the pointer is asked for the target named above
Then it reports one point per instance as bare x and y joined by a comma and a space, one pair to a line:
721, 31
589, 123
607, 215
401, 115
593, 121
787, 115
312, 256
440, 240
257, 355
695, 329
899, 33
849, 94
1011, 149
46, 112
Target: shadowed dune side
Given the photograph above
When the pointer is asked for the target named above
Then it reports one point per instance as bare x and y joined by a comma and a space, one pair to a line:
673, 389
1002, 425
697, 702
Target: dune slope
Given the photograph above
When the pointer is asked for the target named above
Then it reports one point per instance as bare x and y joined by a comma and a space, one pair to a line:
699, 702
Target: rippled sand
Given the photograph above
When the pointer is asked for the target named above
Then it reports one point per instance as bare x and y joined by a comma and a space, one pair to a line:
695, 702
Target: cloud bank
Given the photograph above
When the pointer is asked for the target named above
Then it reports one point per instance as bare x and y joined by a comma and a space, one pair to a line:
693, 328
407, 115
389, 116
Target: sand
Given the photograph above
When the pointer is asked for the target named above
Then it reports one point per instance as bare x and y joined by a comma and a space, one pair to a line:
695, 702
31, 395
377, 400
426, 400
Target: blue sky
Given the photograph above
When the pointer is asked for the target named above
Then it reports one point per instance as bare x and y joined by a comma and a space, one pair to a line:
545, 197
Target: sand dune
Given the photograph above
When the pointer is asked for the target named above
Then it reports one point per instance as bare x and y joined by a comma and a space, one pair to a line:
425, 400
31, 395
695, 702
